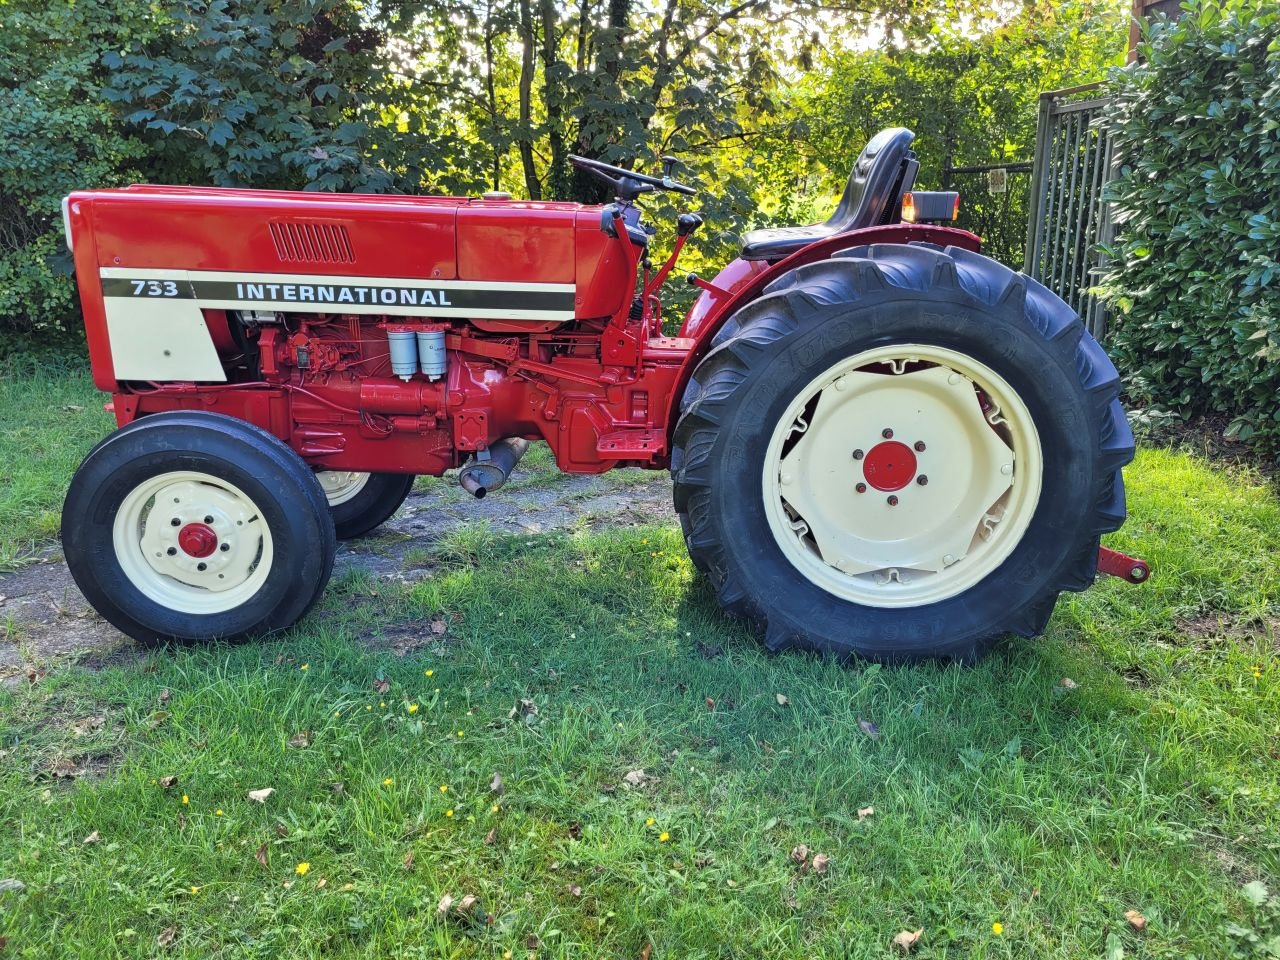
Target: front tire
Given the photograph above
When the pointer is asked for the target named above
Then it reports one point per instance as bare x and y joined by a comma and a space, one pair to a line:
196, 526
360, 502
899, 453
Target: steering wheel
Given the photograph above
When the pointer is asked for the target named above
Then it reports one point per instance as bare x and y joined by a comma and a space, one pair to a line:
627, 183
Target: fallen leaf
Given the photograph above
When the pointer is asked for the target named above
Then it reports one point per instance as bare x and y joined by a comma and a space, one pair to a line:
637, 778
496, 785
322, 883
300, 739
408, 860
1066, 683
167, 936
575, 890
82, 728
260, 796
491, 836
531, 942
261, 856
907, 939
35, 676
864, 812
799, 853
1136, 920
523, 708
575, 830
439, 626
336, 789
467, 903
646, 951
168, 782
12, 886
711, 705
820, 862
281, 830
157, 718
165, 695
72, 407
708, 651
381, 686
91, 838
442, 908
65, 769
869, 728
782, 699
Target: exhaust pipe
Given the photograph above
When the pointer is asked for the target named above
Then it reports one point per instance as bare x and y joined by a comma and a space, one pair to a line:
480, 476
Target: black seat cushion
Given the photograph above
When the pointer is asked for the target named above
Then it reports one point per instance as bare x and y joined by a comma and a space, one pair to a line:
884, 169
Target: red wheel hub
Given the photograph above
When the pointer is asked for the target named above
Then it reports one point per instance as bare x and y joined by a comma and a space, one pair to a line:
889, 465
197, 539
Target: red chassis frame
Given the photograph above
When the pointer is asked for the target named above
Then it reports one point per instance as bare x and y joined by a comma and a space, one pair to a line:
602, 395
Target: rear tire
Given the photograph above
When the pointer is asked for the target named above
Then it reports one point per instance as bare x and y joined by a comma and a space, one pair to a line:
196, 526
359, 502
794, 409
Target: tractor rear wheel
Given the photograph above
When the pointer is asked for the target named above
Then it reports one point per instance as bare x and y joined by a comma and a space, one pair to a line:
359, 502
902, 452
197, 526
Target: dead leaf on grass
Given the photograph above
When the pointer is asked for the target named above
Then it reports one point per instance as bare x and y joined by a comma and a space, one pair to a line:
82, 728
526, 709
575, 830
491, 836
408, 860
711, 705
381, 686
91, 838
821, 862
467, 903
708, 651
439, 625
531, 942
167, 936
1066, 683
907, 939
158, 718
168, 782
496, 785
638, 778
260, 796
1136, 920
300, 739
864, 812
782, 699
869, 728
646, 952
165, 695
442, 908
65, 769
261, 856
799, 854
575, 890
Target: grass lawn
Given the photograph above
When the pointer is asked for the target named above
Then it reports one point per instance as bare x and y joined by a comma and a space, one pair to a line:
1006, 810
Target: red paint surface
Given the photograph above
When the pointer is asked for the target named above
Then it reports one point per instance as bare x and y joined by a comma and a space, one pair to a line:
602, 390
197, 540
889, 465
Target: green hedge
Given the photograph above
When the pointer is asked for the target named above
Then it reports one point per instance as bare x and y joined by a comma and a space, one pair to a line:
1196, 261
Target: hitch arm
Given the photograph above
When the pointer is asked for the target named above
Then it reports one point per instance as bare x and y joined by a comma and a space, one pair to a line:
1116, 564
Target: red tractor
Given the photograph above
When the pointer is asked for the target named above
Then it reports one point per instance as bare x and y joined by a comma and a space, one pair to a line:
883, 443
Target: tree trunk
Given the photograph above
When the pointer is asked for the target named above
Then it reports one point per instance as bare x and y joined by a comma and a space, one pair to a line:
491, 95
525, 139
558, 176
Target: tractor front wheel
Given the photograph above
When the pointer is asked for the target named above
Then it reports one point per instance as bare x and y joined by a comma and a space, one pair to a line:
359, 502
901, 452
196, 526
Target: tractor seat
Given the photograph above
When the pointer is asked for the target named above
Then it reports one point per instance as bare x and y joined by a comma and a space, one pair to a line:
886, 168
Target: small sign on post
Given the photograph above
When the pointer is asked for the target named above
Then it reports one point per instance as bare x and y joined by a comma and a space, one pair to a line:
997, 180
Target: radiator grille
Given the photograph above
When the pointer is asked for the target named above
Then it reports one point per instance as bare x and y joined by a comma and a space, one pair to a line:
312, 243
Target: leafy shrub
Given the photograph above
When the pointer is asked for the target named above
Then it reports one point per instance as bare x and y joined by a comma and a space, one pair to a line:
1261, 937
1196, 262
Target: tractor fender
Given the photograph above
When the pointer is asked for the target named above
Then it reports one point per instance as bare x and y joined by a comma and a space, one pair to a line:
741, 281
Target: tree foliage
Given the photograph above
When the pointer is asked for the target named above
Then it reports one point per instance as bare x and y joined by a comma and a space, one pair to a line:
1196, 276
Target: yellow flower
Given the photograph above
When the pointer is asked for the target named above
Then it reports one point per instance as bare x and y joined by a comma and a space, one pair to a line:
302, 868
448, 813
217, 813
368, 706
337, 713
437, 689
185, 800
506, 955
429, 673
195, 889
663, 837
413, 708
649, 822
387, 782
495, 808
305, 666
645, 540
382, 703
997, 928
444, 788
460, 733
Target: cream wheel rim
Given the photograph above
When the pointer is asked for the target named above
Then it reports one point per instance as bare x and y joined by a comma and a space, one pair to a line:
341, 485
192, 542
902, 476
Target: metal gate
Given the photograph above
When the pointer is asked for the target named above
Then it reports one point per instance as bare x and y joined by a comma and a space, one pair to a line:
1068, 215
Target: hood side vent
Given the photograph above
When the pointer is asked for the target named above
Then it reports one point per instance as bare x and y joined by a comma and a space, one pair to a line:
307, 242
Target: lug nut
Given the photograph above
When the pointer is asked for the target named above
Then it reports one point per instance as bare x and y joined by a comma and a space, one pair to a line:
858, 454
861, 487
172, 551
886, 433
224, 547
919, 446
922, 480
175, 522
202, 567
208, 519
893, 501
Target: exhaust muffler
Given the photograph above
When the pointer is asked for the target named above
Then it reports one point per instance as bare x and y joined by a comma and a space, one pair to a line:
491, 467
